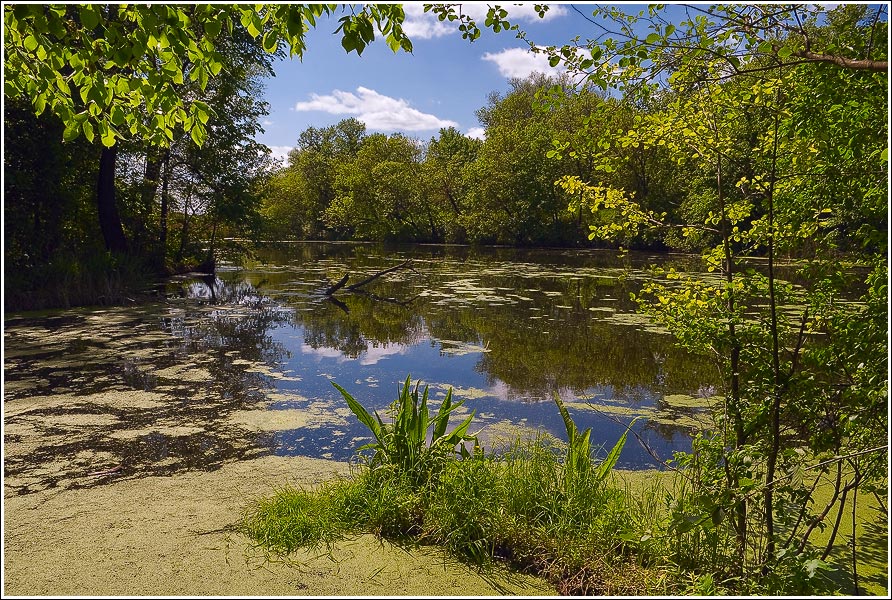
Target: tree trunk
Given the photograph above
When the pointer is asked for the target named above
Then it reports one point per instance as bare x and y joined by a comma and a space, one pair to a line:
151, 178
184, 232
109, 218
778, 387
162, 241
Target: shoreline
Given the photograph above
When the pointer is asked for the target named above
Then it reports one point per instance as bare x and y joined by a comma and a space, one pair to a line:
174, 536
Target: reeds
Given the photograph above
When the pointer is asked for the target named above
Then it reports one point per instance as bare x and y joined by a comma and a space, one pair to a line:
541, 506
536, 504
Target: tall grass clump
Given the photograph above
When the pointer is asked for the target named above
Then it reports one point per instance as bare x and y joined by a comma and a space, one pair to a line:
102, 279
402, 443
299, 518
536, 504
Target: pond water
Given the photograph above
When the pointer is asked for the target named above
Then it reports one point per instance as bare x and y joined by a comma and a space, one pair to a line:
240, 365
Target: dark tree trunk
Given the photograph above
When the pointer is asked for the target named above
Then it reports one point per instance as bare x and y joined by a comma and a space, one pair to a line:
109, 218
162, 242
151, 178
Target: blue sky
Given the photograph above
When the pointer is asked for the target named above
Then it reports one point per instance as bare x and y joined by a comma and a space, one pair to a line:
440, 84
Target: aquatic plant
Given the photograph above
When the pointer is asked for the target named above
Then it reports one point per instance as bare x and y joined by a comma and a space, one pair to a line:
535, 504
402, 442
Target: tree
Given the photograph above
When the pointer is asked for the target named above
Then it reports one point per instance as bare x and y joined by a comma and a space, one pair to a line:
303, 190
740, 114
448, 158
377, 196
717, 42
104, 69
113, 71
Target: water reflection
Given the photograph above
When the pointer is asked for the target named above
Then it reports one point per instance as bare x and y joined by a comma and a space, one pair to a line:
240, 365
506, 328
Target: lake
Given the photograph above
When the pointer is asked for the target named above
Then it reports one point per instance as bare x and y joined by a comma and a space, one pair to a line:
240, 365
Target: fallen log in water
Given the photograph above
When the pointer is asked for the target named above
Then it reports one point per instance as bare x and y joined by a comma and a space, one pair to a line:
354, 287
331, 290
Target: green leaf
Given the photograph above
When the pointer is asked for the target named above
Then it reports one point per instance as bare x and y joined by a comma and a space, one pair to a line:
270, 42
30, 43
442, 419
202, 113
88, 131
212, 28
460, 432
89, 18
198, 134
653, 38
252, 29
39, 104
361, 413
613, 456
785, 52
568, 421
348, 42
72, 130
62, 84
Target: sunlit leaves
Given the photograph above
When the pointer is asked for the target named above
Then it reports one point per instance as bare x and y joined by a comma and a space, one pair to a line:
117, 66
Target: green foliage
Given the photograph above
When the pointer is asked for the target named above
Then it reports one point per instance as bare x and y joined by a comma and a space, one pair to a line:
101, 69
543, 507
458, 189
174, 92
377, 194
764, 160
579, 460
403, 442
298, 518
516, 505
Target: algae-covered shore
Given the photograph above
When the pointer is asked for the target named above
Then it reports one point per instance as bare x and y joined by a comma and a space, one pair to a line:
174, 536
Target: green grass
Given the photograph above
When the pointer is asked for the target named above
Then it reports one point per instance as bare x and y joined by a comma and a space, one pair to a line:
101, 279
517, 507
542, 507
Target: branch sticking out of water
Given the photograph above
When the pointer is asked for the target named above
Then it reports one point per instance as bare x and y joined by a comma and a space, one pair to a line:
331, 290
356, 286
353, 287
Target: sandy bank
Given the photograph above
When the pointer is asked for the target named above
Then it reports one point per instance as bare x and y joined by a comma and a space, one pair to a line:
171, 536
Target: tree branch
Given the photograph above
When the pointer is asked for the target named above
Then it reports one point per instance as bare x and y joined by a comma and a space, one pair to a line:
367, 281
877, 66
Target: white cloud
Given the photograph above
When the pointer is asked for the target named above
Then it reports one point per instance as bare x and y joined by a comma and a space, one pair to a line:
267, 123
420, 25
281, 153
476, 132
372, 355
423, 26
378, 112
323, 352
376, 353
521, 62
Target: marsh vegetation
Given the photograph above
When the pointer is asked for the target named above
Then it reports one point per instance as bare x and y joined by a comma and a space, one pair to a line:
753, 370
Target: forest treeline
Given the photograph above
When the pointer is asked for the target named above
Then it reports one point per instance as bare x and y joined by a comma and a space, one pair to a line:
343, 182
77, 211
